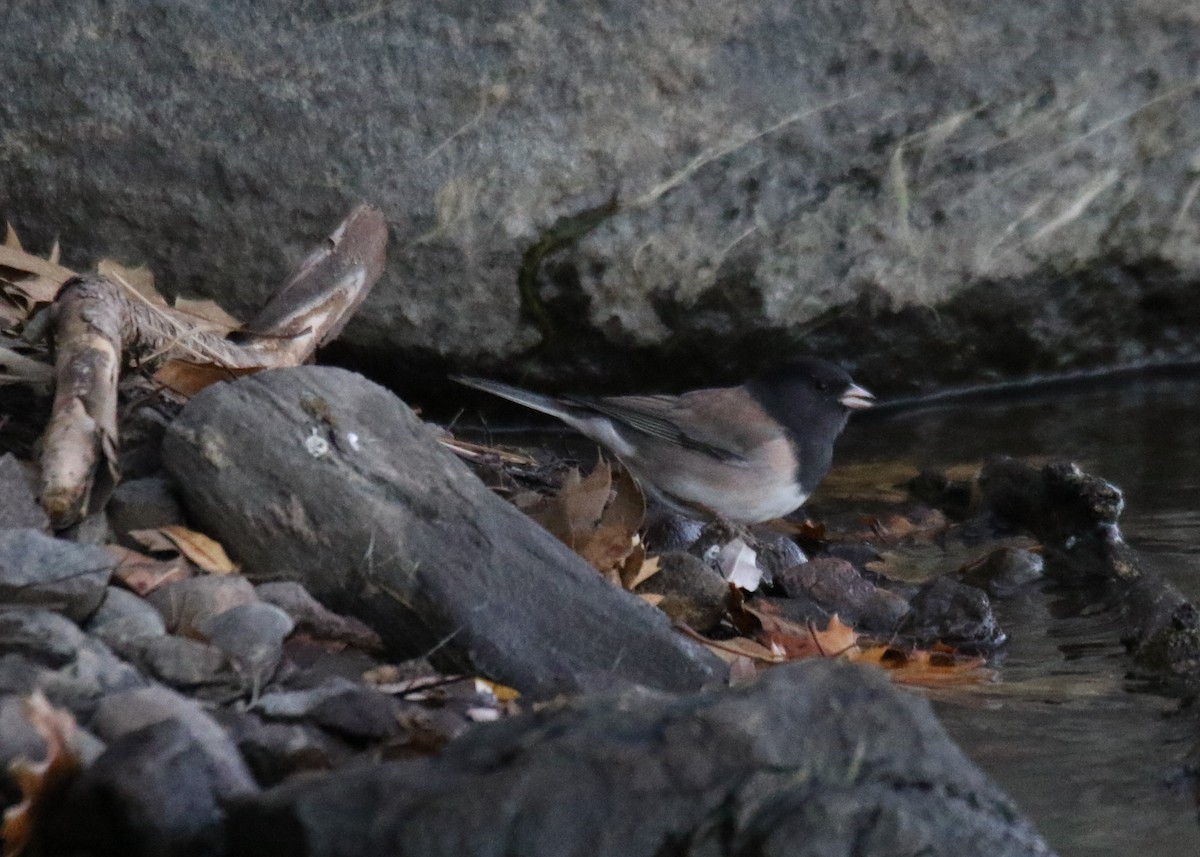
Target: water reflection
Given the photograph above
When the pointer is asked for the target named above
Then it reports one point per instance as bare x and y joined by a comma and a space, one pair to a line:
1065, 732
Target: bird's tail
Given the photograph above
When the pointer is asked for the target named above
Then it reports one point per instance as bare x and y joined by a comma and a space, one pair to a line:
545, 404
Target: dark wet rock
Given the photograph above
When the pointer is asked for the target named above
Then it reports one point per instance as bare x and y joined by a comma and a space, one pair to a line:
834, 586
859, 555
668, 531
1076, 517
275, 750
953, 613
1005, 571
144, 504
347, 708
251, 636
378, 520
154, 791
183, 663
39, 570
41, 650
692, 592
19, 506
185, 605
314, 618
957, 498
776, 552
814, 758
119, 714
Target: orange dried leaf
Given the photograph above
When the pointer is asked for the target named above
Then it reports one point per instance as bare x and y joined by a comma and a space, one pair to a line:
41, 783
502, 692
927, 668
188, 379
143, 574
200, 549
837, 638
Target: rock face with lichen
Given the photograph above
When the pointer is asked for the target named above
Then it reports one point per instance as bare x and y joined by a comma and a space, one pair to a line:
701, 183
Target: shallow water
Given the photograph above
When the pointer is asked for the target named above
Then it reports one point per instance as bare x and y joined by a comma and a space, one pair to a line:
1086, 751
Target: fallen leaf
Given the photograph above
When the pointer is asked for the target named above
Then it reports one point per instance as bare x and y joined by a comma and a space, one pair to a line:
837, 638
143, 574
743, 647
10, 237
739, 565
646, 569
41, 783
200, 549
140, 280
927, 668
188, 379
210, 313
502, 692
651, 598
42, 279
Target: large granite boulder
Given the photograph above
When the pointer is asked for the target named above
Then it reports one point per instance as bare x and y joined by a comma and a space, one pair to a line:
1009, 185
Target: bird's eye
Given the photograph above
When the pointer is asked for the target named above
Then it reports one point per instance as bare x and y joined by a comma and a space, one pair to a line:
823, 386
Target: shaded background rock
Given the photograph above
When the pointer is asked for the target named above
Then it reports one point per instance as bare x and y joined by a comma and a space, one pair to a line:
699, 183
815, 758
42, 571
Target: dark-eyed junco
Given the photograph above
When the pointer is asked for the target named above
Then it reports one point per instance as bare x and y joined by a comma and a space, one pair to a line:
744, 454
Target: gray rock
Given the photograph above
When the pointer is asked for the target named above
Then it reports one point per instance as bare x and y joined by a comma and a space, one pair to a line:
154, 791
275, 751
41, 635
143, 504
347, 708
183, 663
119, 714
712, 175
812, 759
834, 586
37, 569
19, 507
123, 618
40, 650
314, 618
186, 604
950, 612
251, 636
692, 591
388, 525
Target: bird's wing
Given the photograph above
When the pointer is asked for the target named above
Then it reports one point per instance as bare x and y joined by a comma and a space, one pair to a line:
713, 421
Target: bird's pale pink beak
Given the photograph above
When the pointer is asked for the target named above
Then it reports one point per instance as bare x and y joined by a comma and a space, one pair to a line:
856, 398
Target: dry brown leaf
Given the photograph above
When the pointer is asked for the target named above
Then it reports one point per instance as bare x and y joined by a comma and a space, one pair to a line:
210, 313
651, 598
41, 783
743, 647
584, 500
648, 567
188, 379
139, 279
200, 549
837, 638
143, 574
41, 278
10, 237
